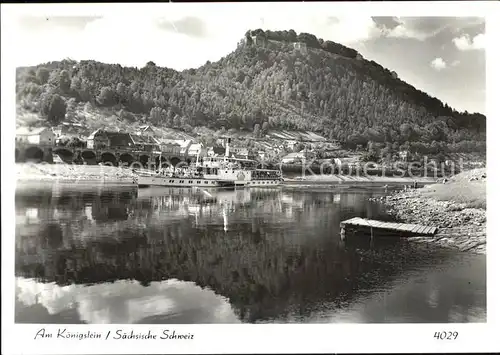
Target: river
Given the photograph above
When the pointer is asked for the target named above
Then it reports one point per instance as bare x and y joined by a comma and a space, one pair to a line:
113, 254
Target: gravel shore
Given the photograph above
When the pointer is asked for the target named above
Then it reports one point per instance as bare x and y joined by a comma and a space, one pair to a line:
460, 226
63, 172
347, 179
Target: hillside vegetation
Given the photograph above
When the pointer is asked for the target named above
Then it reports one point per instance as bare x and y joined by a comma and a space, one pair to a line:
264, 84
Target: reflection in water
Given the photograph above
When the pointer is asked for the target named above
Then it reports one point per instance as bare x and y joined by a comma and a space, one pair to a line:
127, 302
117, 255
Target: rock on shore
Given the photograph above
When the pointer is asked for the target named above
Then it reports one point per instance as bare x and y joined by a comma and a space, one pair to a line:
460, 226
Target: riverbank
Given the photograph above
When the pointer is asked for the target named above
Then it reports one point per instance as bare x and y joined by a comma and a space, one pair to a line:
69, 173
354, 179
457, 208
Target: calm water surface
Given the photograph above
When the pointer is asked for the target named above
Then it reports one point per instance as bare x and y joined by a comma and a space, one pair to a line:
110, 254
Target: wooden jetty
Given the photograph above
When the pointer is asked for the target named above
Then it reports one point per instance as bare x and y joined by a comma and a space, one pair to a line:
373, 228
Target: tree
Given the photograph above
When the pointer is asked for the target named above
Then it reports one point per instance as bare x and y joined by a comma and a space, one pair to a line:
71, 108
177, 121
207, 140
292, 36
298, 147
64, 81
42, 75
386, 153
256, 130
156, 115
76, 84
265, 127
106, 97
350, 101
125, 115
370, 156
121, 91
55, 109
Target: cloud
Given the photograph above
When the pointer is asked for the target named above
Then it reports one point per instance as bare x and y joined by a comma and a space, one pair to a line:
128, 301
422, 28
346, 30
190, 35
465, 43
407, 28
438, 64
37, 23
190, 26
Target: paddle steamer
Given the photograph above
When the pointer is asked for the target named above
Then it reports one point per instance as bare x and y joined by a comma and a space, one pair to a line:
223, 171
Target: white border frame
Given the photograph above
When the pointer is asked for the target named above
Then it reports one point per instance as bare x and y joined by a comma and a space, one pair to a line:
296, 338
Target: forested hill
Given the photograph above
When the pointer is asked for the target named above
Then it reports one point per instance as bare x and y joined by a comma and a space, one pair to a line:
269, 81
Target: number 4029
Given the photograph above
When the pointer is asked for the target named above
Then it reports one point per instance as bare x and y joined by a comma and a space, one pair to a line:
446, 335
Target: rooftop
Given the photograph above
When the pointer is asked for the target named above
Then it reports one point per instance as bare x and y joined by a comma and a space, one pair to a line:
143, 139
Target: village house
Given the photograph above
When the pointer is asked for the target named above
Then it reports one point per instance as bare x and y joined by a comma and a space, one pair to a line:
68, 128
169, 146
67, 131
120, 140
239, 152
337, 162
297, 157
145, 142
41, 135
101, 139
146, 131
290, 144
215, 151
403, 155
184, 144
222, 141
97, 140
196, 149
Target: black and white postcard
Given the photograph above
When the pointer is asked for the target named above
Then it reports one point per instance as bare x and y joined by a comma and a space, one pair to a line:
249, 177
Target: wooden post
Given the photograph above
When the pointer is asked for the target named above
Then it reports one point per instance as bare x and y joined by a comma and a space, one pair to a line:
371, 237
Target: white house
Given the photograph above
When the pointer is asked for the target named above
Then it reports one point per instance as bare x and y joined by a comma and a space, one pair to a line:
403, 154
297, 157
293, 158
239, 152
290, 144
184, 144
41, 135
195, 149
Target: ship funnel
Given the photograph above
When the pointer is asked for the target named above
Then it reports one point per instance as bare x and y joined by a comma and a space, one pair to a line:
228, 140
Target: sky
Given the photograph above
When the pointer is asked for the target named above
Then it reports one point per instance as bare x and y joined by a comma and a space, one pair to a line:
443, 56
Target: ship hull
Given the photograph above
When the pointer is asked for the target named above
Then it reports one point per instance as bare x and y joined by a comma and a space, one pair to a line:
148, 181
258, 183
